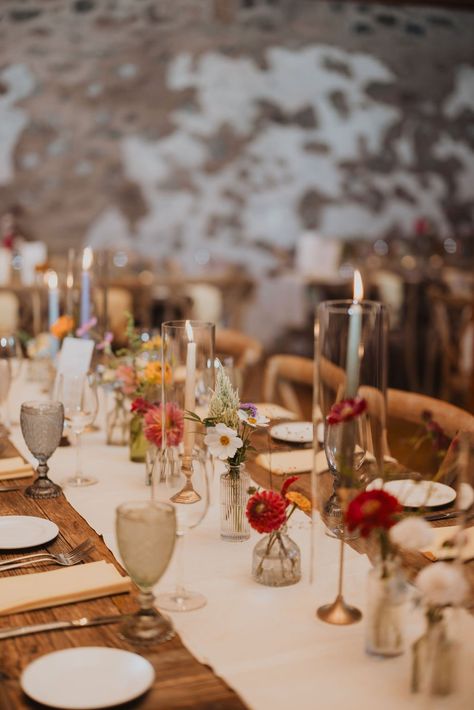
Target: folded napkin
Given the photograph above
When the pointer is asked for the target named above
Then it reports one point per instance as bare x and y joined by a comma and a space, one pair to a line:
297, 461
62, 586
14, 467
438, 550
274, 411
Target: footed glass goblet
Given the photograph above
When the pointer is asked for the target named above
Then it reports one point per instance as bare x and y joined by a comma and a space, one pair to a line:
42, 427
146, 534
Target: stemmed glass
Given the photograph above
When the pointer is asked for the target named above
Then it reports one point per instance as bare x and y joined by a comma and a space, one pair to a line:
5, 382
12, 354
79, 397
42, 427
146, 535
168, 482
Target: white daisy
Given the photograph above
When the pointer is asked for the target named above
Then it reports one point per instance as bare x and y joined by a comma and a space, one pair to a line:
247, 417
222, 441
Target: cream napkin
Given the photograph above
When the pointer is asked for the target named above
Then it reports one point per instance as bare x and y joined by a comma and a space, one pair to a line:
297, 461
63, 586
14, 467
274, 411
438, 550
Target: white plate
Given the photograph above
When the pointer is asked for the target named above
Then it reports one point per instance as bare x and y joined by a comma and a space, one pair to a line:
416, 494
294, 432
86, 678
19, 531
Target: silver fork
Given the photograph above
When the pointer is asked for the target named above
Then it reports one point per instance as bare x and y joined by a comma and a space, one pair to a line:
71, 557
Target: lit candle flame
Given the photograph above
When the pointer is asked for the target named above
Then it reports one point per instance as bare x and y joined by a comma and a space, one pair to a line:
358, 287
70, 280
189, 331
52, 279
87, 257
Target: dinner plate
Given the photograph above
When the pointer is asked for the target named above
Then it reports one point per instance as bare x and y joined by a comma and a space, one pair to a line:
87, 678
296, 432
19, 531
416, 494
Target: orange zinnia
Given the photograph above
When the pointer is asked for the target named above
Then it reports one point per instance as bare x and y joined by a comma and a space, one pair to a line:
62, 326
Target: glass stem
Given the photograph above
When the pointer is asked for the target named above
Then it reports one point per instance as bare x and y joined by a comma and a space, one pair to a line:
146, 601
78, 455
180, 590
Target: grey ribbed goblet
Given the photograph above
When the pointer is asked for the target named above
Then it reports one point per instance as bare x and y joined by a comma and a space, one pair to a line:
42, 427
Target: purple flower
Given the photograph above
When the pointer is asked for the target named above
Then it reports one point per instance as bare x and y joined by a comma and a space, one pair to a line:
86, 327
249, 407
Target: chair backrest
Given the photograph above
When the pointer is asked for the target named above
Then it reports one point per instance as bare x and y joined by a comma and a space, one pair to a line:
206, 302
9, 312
119, 303
288, 380
245, 350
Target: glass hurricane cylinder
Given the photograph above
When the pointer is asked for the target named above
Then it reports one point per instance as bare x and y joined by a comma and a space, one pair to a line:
350, 362
234, 486
187, 381
384, 624
276, 560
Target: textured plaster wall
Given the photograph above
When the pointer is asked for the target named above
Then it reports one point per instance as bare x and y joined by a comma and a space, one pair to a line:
159, 126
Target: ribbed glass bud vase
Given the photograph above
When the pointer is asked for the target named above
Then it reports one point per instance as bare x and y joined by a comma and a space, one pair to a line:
234, 495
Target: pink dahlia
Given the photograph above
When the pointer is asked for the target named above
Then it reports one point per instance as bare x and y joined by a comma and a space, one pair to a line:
174, 424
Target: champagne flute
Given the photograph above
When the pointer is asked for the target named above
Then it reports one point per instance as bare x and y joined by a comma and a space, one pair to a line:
168, 481
42, 426
146, 535
12, 354
80, 401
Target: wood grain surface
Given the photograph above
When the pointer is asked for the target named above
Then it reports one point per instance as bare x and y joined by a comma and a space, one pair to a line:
181, 681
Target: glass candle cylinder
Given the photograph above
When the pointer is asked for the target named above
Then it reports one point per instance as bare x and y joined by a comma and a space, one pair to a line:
350, 364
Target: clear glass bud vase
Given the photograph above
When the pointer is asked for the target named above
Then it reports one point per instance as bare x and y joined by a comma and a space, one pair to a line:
138, 443
435, 660
234, 485
118, 421
276, 560
387, 593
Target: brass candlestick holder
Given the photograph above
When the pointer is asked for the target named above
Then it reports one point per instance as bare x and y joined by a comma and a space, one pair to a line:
338, 612
188, 493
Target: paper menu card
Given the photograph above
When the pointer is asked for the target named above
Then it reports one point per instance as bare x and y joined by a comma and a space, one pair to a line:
437, 550
289, 462
62, 586
14, 467
75, 357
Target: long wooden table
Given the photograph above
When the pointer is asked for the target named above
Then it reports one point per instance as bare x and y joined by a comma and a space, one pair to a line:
181, 681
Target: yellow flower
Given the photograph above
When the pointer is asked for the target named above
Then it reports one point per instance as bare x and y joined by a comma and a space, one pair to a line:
62, 326
299, 500
153, 373
152, 344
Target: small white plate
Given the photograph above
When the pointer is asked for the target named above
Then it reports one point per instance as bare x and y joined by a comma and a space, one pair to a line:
86, 678
294, 432
416, 494
19, 531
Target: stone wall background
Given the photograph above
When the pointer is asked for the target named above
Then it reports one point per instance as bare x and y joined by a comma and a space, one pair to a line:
213, 128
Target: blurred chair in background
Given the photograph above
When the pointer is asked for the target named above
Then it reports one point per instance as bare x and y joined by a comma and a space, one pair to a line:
9, 312
206, 302
119, 303
288, 381
246, 353
450, 346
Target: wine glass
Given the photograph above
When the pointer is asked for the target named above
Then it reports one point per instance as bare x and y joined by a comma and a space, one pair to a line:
146, 536
42, 427
11, 352
79, 397
5, 382
168, 483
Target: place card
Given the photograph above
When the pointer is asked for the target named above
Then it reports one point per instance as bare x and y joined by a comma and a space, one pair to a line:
75, 356
282, 463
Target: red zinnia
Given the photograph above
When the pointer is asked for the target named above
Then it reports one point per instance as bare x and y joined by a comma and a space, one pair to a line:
266, 511
346, 410
372, 509
286, 485
174, 424
140, 405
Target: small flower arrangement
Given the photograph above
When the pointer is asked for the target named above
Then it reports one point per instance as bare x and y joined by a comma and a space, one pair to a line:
153, 421
229, 424
276, 557
441, 585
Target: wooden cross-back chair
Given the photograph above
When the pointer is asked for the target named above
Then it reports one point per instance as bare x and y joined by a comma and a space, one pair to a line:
288, 380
